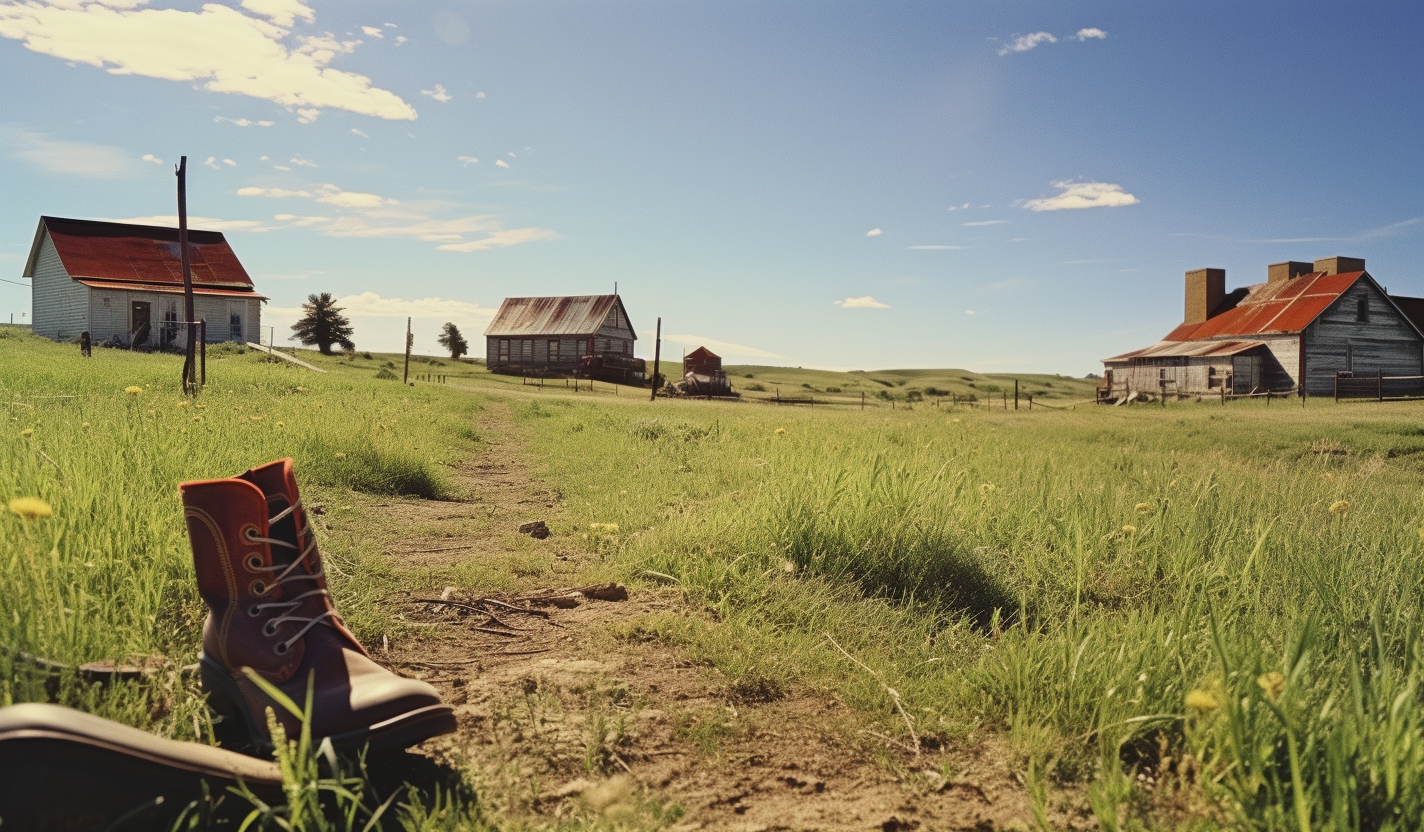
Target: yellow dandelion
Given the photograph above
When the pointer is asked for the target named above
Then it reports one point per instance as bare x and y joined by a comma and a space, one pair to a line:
30, 508
780, 431
1340, 507
27, 432
181, 405
255, 418
988, 487
133, 390
200, 406
1129, 529
1202, 700
301, 389
1273, 683
340, 455
84, 426
1144, 508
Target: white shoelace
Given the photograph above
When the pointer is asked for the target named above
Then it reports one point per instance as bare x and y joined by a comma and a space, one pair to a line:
286, 577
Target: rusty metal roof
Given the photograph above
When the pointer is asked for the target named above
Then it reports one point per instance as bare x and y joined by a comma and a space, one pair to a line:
1193, 349
139, 254
1284, 307
564, 316
165, 289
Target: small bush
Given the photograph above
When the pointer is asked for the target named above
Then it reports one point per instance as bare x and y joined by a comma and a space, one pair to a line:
366, 355
833, 389
749, 375
758, 388
387, 375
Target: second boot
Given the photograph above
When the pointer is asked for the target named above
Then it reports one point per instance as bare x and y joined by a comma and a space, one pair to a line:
261, 576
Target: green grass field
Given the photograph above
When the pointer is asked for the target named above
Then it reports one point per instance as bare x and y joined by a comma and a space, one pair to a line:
1198, 616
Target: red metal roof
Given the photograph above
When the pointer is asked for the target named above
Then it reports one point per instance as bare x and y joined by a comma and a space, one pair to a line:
139, 254
1286, 306
165, 289
565, 316
1195, 349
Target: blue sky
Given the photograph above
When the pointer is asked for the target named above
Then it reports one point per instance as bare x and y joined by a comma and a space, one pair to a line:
1001, 186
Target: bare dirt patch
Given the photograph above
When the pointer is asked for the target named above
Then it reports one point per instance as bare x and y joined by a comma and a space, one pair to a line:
564, 717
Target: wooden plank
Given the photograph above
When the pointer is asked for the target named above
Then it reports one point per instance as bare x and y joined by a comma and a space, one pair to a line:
284, 357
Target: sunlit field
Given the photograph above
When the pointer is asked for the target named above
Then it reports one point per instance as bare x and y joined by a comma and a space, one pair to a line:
1195, 616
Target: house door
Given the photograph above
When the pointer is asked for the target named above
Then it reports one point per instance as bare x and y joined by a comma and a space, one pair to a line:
139, 313
236, 312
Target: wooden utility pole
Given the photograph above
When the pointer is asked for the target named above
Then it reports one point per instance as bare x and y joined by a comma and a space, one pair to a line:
1016, 394
657, 359
190, 374
405, 374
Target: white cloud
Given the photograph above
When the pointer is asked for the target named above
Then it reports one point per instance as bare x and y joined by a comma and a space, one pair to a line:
1024, 43
511, 155
202, 223
219, 48
390, 25
281, 167
1083, 195
401, 39
262, 159
279, 193
373, 31
149, 157
970, 312
300, 162
982, 223
359, 132
863, 302
935, 248
230, 163
501, 239
479, 95
372, 305
242, 122
281, 12
466, 161
874, 232
722, 348
1089, 34
439, 93
1391, 230
333, 195
212, 162
500, 163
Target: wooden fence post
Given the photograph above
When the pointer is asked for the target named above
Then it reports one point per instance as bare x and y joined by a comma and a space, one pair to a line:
1379, 384
1016, 394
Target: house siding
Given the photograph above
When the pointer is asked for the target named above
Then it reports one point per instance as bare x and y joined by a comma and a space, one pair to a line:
1337, 342
614, 336
59, 307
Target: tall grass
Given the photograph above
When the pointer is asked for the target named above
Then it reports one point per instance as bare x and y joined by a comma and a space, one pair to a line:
1072, 579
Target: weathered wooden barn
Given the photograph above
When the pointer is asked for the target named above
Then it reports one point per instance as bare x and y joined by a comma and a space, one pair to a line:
553, 334
124, 283
703, 374
1293, 333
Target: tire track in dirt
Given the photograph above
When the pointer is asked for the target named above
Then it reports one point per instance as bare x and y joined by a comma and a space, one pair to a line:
578, 716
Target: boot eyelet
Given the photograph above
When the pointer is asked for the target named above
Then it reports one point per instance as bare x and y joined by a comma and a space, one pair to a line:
258, 588
269, 629
254, 563
253, 611
249, 533
280, 648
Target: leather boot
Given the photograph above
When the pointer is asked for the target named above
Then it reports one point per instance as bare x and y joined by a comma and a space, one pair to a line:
261, 576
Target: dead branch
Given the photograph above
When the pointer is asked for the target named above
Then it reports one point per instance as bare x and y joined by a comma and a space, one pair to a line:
891, 692
429, 551
478, 605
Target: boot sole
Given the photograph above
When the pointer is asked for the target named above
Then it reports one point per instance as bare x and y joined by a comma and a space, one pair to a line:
238, 727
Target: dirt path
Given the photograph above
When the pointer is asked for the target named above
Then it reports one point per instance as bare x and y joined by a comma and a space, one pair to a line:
577, 715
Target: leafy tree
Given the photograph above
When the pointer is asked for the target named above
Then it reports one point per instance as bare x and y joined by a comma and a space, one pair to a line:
323, 324
451, 339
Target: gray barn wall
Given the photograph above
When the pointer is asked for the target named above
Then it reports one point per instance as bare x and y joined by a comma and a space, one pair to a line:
59, 307
1386, 342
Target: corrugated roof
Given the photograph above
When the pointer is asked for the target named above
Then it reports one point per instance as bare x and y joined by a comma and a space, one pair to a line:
563, 316
1284, 307
165, 289
1194, 349
118, 251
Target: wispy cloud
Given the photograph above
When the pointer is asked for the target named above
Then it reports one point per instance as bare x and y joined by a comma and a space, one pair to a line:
862, 302
372, 305
219, 48
151, 159
466, 161
722, 348
373, 31
1023, 43
300, 162
242, 122
356, 131
1092, 33
1083, 195
935, 248
874, 232
439, 93
500, 163
970, 312
979, 223
1391, 230
202, 223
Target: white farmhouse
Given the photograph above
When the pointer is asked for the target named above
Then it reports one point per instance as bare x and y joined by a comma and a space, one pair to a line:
116, 280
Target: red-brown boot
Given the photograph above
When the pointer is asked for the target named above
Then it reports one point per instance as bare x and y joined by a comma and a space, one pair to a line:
268, 609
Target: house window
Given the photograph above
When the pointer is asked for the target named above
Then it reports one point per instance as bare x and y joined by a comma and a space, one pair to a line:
1349, 358
1362, 309
106, 303
1212, 381
1161, 373
553, 352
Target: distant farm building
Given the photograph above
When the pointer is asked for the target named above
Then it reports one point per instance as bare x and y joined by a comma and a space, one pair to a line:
124, 283
703, 375
587, 335
1295, 332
